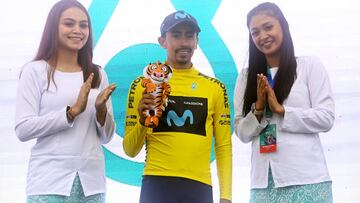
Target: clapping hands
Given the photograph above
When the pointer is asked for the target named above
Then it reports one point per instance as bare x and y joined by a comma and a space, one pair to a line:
100, 103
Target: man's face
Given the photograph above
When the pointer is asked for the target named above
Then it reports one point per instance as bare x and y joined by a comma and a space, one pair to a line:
180, 43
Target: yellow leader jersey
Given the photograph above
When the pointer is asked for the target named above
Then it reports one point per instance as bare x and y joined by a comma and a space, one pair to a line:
198, 110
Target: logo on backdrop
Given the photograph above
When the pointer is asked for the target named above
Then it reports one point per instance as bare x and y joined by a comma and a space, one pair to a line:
121, 169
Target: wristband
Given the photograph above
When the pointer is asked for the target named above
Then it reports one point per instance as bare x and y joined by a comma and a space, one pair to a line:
68, 113
255, 111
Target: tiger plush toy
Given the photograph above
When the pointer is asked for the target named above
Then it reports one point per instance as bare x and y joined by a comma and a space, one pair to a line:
155, 81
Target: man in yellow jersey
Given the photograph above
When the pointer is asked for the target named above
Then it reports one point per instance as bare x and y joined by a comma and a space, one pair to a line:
177, 167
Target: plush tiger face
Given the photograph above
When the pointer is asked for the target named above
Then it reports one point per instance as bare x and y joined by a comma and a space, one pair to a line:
158, 72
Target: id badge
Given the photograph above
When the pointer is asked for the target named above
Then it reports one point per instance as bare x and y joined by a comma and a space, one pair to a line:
268, 139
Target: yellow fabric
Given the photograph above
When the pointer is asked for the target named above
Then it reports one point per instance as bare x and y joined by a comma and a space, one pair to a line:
176, 151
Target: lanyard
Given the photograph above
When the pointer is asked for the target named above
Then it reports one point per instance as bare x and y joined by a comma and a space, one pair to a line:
268, 76
268, 112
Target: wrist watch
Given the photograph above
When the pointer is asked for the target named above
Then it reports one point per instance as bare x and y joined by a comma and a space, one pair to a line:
255, 111
68, 113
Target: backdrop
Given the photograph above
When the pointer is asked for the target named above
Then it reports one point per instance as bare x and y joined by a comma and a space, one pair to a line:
125, 39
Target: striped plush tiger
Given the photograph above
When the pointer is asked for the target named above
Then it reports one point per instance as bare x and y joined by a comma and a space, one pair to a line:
155, 81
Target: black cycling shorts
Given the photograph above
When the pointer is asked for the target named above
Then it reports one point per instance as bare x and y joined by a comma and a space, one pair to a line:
165, 189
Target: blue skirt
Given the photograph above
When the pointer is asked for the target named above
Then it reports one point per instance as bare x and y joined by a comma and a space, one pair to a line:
310, 193
76, 195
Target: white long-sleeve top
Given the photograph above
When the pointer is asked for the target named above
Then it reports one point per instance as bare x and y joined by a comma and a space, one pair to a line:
309, 110
62, 149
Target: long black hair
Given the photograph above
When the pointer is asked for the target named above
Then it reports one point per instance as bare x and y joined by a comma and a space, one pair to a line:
286, 74
48, 48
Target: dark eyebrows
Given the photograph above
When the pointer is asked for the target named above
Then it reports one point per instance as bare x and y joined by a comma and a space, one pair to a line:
179, 32
174, 31
253, 29
267, 23
71, 19
262, 25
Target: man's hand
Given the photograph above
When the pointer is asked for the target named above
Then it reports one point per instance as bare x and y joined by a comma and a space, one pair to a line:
145, 103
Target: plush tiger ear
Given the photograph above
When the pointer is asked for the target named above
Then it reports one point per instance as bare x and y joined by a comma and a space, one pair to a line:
147, 70
169, 72
169, 67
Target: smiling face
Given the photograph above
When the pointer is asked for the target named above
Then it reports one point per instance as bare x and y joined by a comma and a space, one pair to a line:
73, 29
180, 43
266, 33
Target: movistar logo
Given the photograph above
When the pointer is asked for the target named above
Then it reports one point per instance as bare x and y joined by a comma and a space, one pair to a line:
179, 121
181, 15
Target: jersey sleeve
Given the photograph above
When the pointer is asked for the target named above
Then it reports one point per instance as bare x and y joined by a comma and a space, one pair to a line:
135, 133
223, 146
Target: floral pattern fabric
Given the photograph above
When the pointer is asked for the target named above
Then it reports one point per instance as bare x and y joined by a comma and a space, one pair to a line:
76, 196
310, 193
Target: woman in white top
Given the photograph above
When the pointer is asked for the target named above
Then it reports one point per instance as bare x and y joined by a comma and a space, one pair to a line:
63, 102
282, 103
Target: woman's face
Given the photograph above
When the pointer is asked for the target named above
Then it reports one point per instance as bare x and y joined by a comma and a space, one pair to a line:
266, 33
73, 29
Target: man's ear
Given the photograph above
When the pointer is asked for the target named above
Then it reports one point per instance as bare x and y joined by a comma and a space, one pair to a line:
162, 42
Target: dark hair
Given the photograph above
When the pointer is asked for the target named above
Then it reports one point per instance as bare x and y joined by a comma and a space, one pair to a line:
286, 74
48, 48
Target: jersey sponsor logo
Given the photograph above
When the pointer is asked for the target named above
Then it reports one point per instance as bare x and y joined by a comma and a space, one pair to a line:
184, 114
131, 117
193, 86
224, 122
222, 86
179, 121
132, 92
130, 123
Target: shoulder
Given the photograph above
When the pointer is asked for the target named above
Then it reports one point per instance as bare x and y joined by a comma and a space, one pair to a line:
136, 82
137, 79
244, 72
309, 64
212, 81
217, 87
307, 60
242, 76
35, 68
